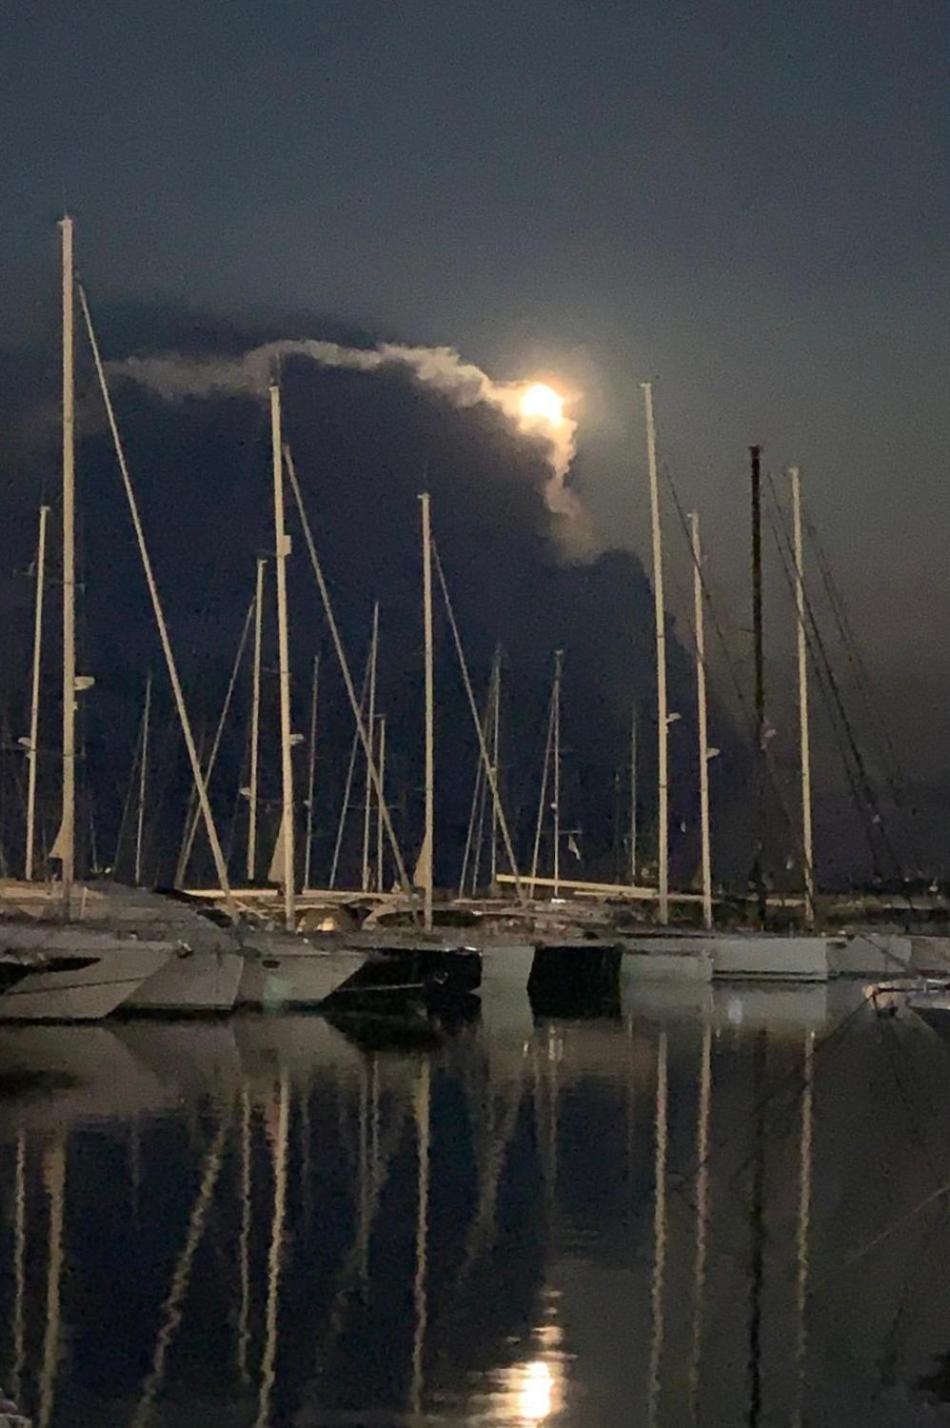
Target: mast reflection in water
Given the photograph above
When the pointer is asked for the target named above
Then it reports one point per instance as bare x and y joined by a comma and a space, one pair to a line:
716, 1212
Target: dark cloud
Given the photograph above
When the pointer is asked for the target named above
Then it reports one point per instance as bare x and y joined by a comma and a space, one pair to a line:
365, 445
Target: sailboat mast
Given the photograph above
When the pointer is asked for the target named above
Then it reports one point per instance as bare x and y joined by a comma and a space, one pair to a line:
803, 720
283, 661
35, 695
67, 831
311, 766
758, 871
370, 725
633, 795
255, 725
662, 720
700, 634
381, 763
143, 778
558, 660
428, 842
495, 742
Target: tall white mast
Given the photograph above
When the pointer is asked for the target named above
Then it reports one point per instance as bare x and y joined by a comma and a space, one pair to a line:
255, 725
558, 659
803, 722
371, 727
311, 766
633, 795
143, 779
381, 764
700, 635
283, 661
35, 695
428, 841
495, 741
662, 721
67, 831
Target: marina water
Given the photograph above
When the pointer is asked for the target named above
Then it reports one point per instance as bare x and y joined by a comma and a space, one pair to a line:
722, 1207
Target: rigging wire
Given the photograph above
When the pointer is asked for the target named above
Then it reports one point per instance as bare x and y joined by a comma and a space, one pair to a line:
476, 795
821, 669
747, 716
127, 804
332, 626
350, 770
893, 770
490, 773
860, 766
191, 826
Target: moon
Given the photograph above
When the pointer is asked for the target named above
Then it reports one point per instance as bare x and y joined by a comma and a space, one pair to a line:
541, 403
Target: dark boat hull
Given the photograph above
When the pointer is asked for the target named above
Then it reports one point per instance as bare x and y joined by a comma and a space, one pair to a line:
433, 978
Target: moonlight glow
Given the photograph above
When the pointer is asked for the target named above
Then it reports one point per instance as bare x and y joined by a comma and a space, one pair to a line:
539, 402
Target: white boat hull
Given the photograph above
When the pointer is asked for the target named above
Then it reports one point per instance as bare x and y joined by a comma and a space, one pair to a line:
506, 969
683, 964
766, 957
191, 983
295, 977
83, 984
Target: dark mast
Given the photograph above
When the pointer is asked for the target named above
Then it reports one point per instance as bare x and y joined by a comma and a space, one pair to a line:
758, 874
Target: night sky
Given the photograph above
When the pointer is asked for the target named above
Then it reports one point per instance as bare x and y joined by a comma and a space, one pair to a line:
747, 203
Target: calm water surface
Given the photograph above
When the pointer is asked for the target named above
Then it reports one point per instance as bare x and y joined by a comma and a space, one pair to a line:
722, 1212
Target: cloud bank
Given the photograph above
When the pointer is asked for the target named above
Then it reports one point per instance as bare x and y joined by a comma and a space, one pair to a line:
175, 377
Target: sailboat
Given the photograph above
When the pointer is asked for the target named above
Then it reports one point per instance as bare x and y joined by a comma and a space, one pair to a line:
283, 967
373, 972
441, 966
805, 956
50, 968
201, 974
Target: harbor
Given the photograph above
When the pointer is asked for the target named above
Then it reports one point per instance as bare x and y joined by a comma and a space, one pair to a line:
75, 949
552, 1221
474, 855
